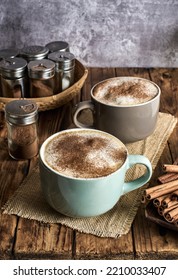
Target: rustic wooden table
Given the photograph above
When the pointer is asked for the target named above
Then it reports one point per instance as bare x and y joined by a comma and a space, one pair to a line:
29, 239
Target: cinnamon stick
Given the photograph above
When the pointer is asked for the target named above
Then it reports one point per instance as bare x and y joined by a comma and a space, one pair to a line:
143, 199
172, 205
165, 202
170, 168
174, 195
169, 216
175, 219
165, 195
168, 177
157, 201
160, 190
161, 210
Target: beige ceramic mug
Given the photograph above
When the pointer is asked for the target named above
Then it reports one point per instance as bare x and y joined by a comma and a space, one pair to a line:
126, 107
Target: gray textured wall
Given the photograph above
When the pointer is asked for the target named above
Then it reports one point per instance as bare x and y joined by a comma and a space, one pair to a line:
100, 32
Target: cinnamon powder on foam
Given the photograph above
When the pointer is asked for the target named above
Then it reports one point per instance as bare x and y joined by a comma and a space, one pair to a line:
125, 91
85, 156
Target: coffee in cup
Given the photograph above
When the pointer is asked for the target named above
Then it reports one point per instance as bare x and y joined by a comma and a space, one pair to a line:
82, 171
85, 154
125, 91
126, 107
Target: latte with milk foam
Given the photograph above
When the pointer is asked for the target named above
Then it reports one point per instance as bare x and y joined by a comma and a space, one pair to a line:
84, 154
125, 91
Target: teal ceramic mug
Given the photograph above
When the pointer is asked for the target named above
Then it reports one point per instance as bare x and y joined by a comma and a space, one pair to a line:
82, 171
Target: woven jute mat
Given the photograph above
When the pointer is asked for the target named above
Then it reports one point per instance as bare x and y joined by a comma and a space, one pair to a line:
28, 201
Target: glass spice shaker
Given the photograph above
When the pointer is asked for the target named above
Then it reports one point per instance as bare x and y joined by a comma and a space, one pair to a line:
14, 80
31, 53
64, 70
5, 53
58, 46
21, 118
41, 75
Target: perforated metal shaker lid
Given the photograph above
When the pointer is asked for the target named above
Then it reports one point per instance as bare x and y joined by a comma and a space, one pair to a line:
34, 52
21, 112
58, 46
63, 60
41, 69
13, 67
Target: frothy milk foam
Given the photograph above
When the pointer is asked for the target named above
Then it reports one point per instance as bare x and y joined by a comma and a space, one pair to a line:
125, 91
85, 154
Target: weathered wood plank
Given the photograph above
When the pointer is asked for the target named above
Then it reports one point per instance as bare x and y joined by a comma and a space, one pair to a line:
135, 72
8, 225
37, 240
92, 247
12, 174
168, 82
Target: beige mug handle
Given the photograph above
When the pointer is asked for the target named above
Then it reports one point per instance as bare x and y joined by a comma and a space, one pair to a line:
80, 107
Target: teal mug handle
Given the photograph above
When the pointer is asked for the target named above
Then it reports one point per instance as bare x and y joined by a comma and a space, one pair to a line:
139, 182
80, 107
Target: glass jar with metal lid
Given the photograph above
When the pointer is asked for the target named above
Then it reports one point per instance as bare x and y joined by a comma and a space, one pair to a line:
7, 53
41, 74
34, 52
58, 46
14, 80
21, 118
64, 69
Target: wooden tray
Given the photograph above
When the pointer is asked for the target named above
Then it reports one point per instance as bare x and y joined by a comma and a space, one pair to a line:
152, 215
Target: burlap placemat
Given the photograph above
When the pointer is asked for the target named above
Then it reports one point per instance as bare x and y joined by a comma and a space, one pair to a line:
29, 202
